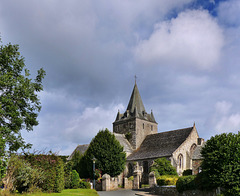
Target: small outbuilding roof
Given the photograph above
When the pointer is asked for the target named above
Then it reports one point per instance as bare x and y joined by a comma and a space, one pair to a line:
80, 148
160, 145
124, 142
197, 152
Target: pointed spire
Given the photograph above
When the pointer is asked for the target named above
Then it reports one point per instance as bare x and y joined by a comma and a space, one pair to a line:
152, 117
135, 101
118, 116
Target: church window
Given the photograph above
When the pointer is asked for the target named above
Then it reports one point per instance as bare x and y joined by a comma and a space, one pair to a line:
143, 125
192, 149
151, 127
180, 161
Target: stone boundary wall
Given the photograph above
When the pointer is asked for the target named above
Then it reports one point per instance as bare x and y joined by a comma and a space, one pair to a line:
108, 183
128, 184
172, 191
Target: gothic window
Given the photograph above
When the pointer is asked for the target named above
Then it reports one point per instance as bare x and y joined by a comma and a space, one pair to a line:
193, 147
180, 161
151, 127
143, 125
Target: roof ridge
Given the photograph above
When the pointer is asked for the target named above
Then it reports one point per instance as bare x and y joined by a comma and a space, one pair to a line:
173, 130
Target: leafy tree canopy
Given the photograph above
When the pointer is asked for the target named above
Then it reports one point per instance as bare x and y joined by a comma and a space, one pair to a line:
221, 163
109, 154
19, 102
162, 166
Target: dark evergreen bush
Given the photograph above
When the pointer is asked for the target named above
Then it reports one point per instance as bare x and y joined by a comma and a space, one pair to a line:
187, 172
185, 183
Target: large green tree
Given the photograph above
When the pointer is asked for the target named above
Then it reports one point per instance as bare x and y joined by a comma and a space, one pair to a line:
221, 163
109, 154
19, 102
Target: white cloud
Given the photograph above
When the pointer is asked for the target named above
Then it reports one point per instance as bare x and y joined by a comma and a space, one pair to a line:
224, 119
229, 123
67, 122
192, 39
228, 12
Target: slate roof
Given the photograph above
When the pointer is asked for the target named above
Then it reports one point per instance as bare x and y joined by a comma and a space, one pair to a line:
80, 148
197, 152
124, 142
135, 108
160, 145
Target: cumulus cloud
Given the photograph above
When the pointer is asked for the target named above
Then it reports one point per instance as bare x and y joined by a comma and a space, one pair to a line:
67, 122
224, 119
193, 39
228, 12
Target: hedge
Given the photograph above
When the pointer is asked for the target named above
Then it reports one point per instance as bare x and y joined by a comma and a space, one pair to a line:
186, 183
53, 168
167, 180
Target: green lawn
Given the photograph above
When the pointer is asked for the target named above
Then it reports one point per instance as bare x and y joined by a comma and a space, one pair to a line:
66, 192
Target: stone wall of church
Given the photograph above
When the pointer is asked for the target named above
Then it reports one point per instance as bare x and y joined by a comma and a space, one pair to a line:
143, 128
126, 127
181, 158
135, 130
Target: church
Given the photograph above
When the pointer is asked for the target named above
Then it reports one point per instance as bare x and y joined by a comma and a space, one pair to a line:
137, 132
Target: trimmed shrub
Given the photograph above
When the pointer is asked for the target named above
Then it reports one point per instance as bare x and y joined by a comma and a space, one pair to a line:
186, 183
130, 178
187, 172
167, 180
75, 179
84, 185
162, 166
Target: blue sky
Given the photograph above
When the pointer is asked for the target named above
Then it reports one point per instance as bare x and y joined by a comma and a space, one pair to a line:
185, 54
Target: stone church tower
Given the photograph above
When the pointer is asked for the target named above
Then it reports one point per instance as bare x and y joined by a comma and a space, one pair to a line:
135, 123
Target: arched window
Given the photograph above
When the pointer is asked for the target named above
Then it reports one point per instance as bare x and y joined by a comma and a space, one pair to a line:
180, 161
192, 149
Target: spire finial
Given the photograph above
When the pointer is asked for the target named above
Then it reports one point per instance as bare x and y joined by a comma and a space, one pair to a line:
135, 79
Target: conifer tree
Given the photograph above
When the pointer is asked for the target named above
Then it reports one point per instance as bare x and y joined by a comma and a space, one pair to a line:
109, 154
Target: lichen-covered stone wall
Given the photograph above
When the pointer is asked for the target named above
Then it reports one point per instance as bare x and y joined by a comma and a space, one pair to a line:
172, 191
